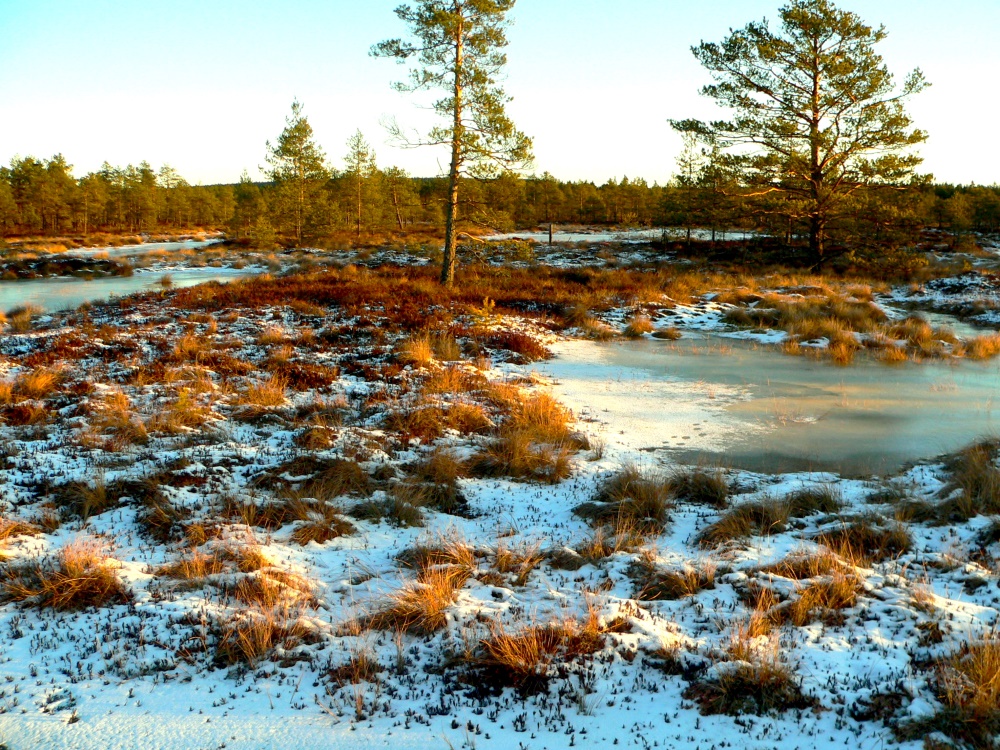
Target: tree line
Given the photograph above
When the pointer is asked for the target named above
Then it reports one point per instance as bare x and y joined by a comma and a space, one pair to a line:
43, 197
817, 149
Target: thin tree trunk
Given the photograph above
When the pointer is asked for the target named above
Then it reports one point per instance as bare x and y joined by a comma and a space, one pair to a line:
395, 205
451, 229
816, 220
359, 203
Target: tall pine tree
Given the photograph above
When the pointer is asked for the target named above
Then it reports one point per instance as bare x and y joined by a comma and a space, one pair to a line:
458, 45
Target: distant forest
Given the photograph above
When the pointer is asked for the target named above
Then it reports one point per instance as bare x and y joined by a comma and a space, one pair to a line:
43, 197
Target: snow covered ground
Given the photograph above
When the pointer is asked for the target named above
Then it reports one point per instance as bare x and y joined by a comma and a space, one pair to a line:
145, 672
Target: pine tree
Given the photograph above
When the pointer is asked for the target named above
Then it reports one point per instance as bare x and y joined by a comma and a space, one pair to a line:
361, 170
459, 49
816, 114
297, 168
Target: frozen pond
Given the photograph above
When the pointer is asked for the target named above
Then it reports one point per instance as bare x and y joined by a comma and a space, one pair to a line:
131, 251
625, 235
66, 293
729, 403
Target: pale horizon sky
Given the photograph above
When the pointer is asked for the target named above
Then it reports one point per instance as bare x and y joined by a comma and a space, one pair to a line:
202, 84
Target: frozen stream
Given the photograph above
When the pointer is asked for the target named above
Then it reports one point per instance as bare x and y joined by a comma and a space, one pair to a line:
726, 402
68, 293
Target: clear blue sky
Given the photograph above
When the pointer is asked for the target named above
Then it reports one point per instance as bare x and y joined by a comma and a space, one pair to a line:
202, 84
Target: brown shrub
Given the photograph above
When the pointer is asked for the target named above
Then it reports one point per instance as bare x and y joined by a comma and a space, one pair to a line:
527, 347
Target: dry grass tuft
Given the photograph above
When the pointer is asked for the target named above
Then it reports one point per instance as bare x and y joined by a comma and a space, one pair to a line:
701, 487
114, 415
631, 497
656, 585
968, 686
417, 351
669, 333
84, 500
638, 326
864, 541
515, 455
517, 561
525, 659
762, 686
976, 476
183, 413
823, 599
421, 606
983, 347
809, 500
269, 393
37, 384
320, 522
758, 518
446, 550
194, 567
799, 567
250, 637
19, 318
79, 577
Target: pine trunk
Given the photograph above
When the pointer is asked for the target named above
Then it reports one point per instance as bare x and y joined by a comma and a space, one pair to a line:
451, 222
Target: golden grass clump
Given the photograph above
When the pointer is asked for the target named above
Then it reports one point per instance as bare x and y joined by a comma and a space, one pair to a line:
983, 347
271, 336
79, 577
668, 333
416, 350
631, 497
521, 659
253, 635
449, 550
19, 318
518, 561
514, 454
638, 326
800, 566
37, 384
85, 499
756, 683
188, 348
864, 541
823, 598
967, 684
976, 477
701, 486
428, 421
653, 584
757, 518
114, 414
541, 417
421, 606
183, 413
194, 567
269, 393
320, 522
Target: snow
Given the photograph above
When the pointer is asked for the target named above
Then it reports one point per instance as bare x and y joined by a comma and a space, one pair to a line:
125, 676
